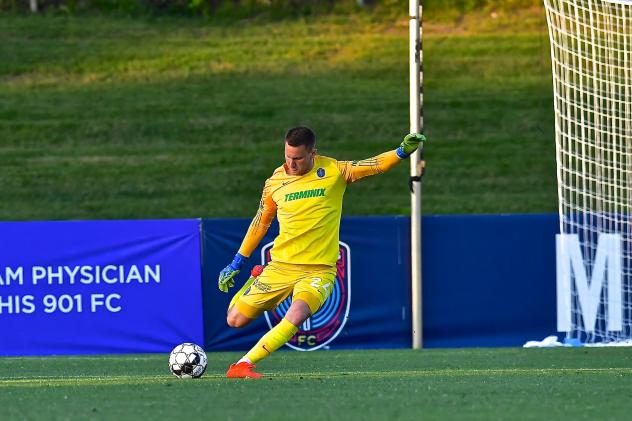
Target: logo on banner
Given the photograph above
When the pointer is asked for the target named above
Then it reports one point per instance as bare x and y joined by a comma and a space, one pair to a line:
327, 323
604, 280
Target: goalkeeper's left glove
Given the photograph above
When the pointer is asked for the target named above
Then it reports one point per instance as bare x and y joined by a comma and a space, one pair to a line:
410, 144
227, 275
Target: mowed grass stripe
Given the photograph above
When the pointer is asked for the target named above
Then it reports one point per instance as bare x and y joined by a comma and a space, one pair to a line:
119, 380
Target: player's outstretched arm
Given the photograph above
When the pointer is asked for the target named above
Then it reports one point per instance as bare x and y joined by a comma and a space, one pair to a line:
257, 230
355, 170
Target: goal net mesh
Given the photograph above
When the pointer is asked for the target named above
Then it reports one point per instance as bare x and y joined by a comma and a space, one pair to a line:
591, 52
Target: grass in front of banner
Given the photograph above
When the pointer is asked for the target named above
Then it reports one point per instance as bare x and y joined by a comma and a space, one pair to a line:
105, 117
464, 383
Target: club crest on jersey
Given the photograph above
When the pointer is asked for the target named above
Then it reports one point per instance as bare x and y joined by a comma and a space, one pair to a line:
327, 323
320, 172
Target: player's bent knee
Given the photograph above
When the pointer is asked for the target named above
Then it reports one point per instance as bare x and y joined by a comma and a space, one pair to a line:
234, 322
237, 320
231, 321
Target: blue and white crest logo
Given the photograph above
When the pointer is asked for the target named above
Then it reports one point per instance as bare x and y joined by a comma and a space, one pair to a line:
327, 323
320, 172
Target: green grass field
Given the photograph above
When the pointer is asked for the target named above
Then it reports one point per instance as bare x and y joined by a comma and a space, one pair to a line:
481, 384
113, 117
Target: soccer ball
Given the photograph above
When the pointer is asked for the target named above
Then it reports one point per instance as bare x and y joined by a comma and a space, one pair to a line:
187, 361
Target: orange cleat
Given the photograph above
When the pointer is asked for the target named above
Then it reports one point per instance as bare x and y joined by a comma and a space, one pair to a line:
242, 370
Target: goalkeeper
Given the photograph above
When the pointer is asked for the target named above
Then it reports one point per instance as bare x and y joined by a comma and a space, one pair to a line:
305, 194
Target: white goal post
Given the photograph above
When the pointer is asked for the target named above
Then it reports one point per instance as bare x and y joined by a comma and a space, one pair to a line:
415, 11
591, 54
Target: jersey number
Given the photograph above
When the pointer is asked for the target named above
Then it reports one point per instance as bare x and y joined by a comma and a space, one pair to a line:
318, 283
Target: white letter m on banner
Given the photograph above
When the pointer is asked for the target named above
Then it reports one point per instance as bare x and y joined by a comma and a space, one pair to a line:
607, 264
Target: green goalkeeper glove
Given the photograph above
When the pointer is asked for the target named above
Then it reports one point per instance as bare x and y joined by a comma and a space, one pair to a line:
228, 274
410, 144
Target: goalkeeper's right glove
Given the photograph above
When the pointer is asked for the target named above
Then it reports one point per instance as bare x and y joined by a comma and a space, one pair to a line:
228, 274
410, 144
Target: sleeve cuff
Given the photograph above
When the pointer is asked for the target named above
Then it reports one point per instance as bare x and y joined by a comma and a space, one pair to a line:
401, 154
238, 261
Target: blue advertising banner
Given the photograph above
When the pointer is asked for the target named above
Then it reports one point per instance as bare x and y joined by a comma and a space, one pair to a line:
137, 286
99, 286
489, 280
369, 306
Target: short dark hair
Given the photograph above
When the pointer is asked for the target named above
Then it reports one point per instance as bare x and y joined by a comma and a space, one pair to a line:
301, 135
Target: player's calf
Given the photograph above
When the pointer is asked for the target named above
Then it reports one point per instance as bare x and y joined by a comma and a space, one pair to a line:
298, 312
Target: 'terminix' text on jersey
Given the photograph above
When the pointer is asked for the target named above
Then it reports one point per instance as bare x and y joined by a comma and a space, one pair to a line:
305, 194
308, 208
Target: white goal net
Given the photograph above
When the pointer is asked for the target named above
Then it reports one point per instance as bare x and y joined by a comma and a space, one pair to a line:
591, 52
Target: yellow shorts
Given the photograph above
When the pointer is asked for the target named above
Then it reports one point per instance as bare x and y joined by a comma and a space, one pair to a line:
310, 283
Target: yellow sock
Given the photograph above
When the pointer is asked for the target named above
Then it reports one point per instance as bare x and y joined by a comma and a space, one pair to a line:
272, 341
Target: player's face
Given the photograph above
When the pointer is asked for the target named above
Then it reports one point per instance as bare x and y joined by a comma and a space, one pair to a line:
298, 159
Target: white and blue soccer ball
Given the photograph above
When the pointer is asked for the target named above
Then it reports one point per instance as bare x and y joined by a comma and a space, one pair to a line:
187, 361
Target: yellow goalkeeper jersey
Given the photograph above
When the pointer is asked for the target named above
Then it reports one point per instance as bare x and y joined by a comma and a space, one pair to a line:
308, 208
